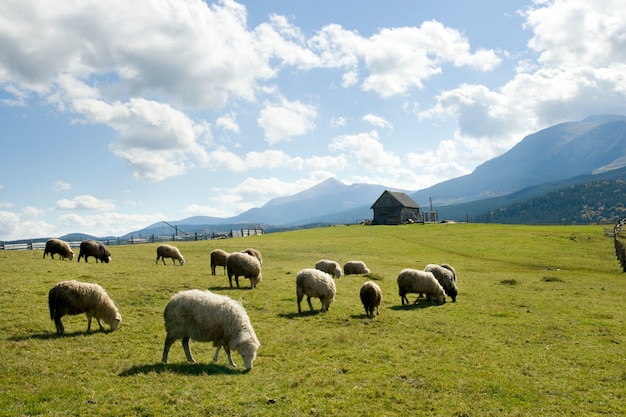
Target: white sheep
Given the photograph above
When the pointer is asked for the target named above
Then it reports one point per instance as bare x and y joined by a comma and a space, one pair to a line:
255, 253
94, 248
169, 251
58, 246
421, 282
69, 298
446, 278
447, 266
240, 263
315, 283
355, 267
219, 257
330, 267
208, 317
371, 296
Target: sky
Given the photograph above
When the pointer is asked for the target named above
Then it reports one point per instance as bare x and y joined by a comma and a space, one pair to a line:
116, 115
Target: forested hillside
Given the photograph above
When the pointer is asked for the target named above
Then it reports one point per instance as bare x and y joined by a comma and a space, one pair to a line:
593, 202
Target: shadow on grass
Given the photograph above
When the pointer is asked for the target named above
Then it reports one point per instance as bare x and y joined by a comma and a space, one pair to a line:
182, 368
219, 288
49, 336
422, 303
296, 314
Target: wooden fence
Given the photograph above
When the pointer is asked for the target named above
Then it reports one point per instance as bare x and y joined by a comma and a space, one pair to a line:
41, 243
620, 251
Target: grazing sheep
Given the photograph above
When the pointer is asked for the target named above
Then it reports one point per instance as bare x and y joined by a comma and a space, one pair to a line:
94, 248
218, 257
315, 283
240, 263
207, 317
58, 246
69, 298
169, 251
371, 296
355, 267
330, 267
449, 267
255, 253
445, 277
421, 282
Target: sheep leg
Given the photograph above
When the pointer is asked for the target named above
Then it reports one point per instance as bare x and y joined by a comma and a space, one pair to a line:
100, 324
299, 301
157, 261
88, 324
59, 325
187, 351
166, 348
308, 300
230, 359
237, 280
217, 353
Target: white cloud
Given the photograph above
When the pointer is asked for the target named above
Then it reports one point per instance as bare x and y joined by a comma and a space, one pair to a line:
85, 202
286, 120
14, 225
107, 223
377, 121
366, 151
61, 186
228, 122
338, 121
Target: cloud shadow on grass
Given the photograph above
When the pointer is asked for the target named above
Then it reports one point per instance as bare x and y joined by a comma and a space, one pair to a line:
185, 368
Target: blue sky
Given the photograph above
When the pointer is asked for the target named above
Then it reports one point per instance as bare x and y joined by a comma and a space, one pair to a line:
116, 115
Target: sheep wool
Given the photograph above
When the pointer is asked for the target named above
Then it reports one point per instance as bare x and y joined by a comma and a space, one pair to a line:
254, 252
57, 246
204, 316
371, 296
446, 278
70, 298
242, 264
421, 282
169, 251
355, 267
96, 249
330, 267
315, 283
219, 257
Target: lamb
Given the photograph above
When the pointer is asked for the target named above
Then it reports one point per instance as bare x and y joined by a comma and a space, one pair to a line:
315, 283
218, 257
69, 298
240, 263
355, 267
330, 267
445, 277
169, 251
371, 296
58, 246
422, 282
255, 253
208, 317
94, 248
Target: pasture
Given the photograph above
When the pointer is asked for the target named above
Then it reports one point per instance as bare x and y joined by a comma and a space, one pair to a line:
538, 329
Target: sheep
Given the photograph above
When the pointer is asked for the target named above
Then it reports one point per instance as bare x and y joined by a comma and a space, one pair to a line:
355, 267
208, 317
449, 267
94, 248
422, 282
330, 267
169, 251
218, 257
445, 277
58, 246
315, 283
371, 296
240, 263
255, 253
69, 298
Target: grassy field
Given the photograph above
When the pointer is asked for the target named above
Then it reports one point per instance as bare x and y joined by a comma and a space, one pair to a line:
537, 329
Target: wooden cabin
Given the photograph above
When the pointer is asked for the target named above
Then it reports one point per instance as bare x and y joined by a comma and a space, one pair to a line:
395, 208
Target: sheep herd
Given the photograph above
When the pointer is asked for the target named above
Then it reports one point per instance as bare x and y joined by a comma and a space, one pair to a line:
208, 317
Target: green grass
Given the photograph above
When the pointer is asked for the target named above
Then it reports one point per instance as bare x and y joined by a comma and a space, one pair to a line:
537, 329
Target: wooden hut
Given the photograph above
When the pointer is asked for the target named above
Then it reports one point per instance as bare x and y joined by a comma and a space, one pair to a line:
395, 208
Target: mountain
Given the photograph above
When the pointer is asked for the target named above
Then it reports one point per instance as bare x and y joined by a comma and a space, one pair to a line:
558, 157
593, 145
